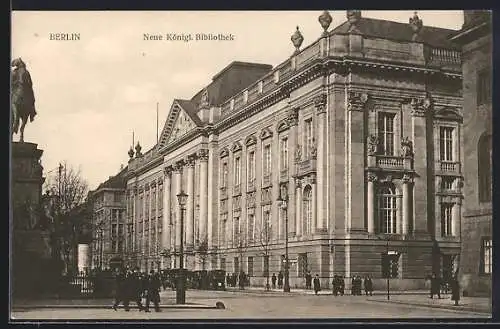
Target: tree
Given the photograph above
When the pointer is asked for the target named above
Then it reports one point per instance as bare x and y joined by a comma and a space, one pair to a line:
241, 247
71, 217
264, 243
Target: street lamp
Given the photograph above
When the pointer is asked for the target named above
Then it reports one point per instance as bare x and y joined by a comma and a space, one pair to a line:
181, 284
284, 204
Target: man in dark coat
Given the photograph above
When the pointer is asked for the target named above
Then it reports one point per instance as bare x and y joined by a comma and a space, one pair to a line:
280, 280
120, 290
134, 288
153, 286
455, 289
368, 285
273, 281
435, 286
316, 283
308, 280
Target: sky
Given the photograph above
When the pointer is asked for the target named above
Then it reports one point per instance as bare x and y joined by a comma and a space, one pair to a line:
93, 93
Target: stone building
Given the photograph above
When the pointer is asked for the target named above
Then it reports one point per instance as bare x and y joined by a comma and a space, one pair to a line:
109, 222
475, 37
360, 131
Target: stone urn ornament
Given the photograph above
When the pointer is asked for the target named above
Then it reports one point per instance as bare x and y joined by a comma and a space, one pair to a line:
297, 39
325, 19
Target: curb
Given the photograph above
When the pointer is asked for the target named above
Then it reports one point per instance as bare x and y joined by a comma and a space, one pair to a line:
446, 307
185, 306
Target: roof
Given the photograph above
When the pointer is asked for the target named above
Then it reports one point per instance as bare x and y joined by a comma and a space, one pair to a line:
118, 181
190, 108
433, 36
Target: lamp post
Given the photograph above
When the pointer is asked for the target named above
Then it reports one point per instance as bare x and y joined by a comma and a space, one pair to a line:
284, 204
387, 237
181, 283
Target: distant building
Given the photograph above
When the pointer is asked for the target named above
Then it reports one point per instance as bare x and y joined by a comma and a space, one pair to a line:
362, 132
108, 222
476, 257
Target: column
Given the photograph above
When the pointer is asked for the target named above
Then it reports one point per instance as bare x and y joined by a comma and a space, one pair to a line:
134, 218
455, 219
203, 156
150, 201
212, 195
321, 162
298, 208
143, 238
190, 204
314, 193
370, 203
165, 238
406, 204
293, 209
178, 188
157, 202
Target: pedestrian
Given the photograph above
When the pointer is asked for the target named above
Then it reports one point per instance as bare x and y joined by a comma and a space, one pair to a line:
455, 289
242, 280
273, 281
435, 286
134, 288
153, 291
316, 284
335, 287
308, 280
368, 286
120, 290
280, 280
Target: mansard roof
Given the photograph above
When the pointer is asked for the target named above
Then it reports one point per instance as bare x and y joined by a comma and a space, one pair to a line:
118, 181
377, 28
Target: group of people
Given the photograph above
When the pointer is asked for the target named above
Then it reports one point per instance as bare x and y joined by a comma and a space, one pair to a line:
234, 279
437, 284
132, 286
278, 279
357, 283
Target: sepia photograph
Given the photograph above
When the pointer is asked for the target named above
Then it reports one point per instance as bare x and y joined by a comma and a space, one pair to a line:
251, 165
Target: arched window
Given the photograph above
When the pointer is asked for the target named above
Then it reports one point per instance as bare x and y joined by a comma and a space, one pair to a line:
387, 209
484, 168
308, 211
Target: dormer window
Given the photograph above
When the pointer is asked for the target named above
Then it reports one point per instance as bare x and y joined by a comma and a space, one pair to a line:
245, 97
231, 104
260, 87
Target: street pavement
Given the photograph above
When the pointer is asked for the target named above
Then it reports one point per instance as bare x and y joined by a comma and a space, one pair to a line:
255, 304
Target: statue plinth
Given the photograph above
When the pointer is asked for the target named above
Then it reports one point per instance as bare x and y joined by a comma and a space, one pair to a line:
31, 251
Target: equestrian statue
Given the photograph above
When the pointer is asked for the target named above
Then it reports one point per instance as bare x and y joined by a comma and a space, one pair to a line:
22, 98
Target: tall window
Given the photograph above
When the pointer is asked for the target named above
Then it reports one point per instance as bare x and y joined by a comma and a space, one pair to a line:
224, 175
236, 230
446, 143
267, 160
484, 87
447, 182
265, 266
266, 227
387, 209
250, 266
484, 168
223, 263
251, 165
486, 256
302, 265
308, 138
284, 153
237, 171
236, 264
386, 133
308, 211
160, 200
446, 219
251, 221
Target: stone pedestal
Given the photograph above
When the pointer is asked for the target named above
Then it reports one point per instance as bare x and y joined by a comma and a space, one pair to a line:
31, 249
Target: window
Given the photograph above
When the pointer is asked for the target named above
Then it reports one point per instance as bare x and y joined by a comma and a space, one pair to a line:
390, 265
484, 87
117, 197
236, 264
485, 168
223, 264
160, 200
250, 266
265, 236
120, 246
265, 266
447, 183
251, 223
236, 230
114, 246
284, 154
251, 166
386, 133
113, 230
283, 261
308, 138
486, 256
302, 265
237, 171
224, 175
446, 219
308, 211
387, 209
446, 143
267, 160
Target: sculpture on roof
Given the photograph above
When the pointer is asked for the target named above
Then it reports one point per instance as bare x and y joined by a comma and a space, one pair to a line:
22, 98
204, 101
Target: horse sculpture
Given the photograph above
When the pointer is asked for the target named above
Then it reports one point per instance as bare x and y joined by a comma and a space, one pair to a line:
22, 98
